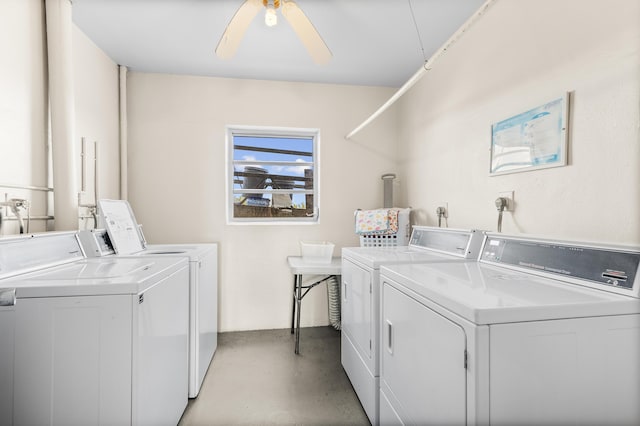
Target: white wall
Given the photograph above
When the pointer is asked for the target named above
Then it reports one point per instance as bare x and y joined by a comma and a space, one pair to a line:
519, 55
23, 106
97, 118
177, 179
24, 135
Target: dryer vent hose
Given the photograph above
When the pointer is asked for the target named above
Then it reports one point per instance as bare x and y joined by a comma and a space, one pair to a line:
333, 293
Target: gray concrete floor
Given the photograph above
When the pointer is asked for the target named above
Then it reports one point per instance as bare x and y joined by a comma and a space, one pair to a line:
256, 379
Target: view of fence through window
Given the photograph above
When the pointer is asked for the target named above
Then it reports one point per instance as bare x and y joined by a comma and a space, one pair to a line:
273, 176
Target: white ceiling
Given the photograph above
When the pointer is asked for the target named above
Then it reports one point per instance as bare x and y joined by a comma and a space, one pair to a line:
374, 42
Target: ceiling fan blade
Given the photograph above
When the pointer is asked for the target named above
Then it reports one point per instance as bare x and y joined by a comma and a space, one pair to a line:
307, 33
238, 25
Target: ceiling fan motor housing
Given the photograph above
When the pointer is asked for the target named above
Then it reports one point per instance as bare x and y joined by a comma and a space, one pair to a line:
276, 3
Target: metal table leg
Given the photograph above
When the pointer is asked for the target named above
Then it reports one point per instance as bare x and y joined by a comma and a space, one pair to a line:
293, 305
297, 302
298, 306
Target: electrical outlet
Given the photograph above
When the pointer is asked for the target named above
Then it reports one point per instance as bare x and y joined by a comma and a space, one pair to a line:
510, 201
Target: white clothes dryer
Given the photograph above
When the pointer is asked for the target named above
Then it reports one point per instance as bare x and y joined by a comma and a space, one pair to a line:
360, 314
96, 341
203, 293
538, 331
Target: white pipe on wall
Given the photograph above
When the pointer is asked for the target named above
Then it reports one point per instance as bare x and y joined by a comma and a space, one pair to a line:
123, 132
61, 100
96, 174
428, 65
83, 164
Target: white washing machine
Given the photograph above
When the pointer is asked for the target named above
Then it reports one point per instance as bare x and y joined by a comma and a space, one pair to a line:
360, 314
95, 341
125, 238
537, 332
203, 304
203, 294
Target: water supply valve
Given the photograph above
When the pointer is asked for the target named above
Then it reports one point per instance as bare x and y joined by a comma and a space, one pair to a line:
15, 204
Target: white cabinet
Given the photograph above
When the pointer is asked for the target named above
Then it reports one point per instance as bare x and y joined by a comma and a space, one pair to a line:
422, 363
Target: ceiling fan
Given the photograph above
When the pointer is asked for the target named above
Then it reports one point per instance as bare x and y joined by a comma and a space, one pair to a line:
305, 30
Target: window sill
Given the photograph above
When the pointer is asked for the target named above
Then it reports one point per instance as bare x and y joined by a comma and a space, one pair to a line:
256, 215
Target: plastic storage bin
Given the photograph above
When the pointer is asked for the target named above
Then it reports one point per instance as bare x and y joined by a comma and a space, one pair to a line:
316, 252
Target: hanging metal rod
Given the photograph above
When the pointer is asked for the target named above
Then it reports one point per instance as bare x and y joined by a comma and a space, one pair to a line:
427, 66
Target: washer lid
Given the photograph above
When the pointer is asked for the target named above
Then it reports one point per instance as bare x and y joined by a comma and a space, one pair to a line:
485, 294
96, 276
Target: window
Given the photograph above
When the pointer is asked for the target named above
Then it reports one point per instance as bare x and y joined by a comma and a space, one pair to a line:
272, 174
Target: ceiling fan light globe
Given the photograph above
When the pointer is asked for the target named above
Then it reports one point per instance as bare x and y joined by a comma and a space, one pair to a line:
270, 16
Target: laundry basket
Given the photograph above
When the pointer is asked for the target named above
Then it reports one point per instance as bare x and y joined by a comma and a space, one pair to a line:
400, 238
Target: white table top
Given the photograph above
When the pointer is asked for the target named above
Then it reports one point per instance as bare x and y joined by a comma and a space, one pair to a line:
299, 266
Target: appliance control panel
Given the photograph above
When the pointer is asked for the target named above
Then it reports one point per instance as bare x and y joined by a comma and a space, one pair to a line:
608, 267
31, 252
96, 242
464, 243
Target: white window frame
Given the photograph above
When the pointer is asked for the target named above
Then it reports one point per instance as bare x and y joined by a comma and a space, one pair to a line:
286, 132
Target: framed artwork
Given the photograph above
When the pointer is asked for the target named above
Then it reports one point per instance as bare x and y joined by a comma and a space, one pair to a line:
534, 139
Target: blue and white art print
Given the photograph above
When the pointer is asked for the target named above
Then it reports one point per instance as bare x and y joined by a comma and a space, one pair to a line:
531, 140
